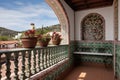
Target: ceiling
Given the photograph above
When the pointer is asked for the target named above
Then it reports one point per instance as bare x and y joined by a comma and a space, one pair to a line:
88, 4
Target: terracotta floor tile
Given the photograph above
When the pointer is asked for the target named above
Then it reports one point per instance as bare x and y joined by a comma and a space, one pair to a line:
90, 72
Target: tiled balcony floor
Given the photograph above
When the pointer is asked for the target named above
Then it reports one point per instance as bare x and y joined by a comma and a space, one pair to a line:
91, 72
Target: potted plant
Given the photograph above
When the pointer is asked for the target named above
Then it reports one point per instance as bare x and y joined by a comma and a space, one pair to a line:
44, 39
29, 39
56, 38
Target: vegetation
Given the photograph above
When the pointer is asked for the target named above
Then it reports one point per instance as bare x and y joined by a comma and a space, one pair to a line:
47, 29
6, 34
5, 38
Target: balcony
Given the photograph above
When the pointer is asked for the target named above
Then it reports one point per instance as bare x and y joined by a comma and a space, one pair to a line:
21, 64
93, 52
55, 62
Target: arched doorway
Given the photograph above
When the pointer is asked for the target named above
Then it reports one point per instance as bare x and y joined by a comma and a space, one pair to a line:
93, 27
62, 17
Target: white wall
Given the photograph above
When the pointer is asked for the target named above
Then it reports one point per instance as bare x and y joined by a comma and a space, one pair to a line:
70, 14
106, 12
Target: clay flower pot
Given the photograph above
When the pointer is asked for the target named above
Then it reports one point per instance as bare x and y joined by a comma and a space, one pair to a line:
56, 38
29, 42
56, 42
44, 43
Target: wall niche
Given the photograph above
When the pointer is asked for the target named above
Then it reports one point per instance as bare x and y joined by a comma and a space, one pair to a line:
93, 27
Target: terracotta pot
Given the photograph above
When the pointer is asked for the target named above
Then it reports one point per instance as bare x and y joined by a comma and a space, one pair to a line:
44, 43
56, 42
29, 42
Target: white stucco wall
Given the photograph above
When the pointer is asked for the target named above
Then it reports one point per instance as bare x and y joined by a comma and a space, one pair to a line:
106, 12
70, 14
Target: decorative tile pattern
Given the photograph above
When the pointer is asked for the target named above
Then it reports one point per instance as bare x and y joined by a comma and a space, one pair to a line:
59, 70
83, 46
98, 47
93, 27
117, 68
56, 73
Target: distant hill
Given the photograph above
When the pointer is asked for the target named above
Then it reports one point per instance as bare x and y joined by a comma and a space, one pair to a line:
12, 33
49, 29
7, 32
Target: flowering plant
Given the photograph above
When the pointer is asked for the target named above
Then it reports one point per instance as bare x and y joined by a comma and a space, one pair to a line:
56, 38
30, 33
44, 37
29, 39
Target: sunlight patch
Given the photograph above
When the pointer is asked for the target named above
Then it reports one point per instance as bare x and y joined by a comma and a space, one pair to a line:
82, 76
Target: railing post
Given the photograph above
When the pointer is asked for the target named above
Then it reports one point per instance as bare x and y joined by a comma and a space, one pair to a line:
16, 66
0, 67
46, 53
34, 62
43, 60
29, 64
47, 57
23, 66
50, 56
54, 58
55, 51
8, 64
58, 54
39, 68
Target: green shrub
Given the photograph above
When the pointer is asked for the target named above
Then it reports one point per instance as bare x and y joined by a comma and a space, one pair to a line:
4, 38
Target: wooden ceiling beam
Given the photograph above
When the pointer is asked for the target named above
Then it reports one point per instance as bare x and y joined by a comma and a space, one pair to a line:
100, 4
91, 3
84, 4
82, 7
76, 1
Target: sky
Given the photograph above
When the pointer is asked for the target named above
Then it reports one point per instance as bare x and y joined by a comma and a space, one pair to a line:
18, 14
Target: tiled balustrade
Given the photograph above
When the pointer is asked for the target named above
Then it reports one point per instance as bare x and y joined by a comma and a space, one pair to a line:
21, 64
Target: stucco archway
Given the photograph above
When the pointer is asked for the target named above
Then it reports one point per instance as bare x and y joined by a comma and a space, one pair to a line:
62, 17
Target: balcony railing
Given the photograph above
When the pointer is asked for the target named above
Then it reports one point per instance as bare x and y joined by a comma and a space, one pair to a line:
21, 64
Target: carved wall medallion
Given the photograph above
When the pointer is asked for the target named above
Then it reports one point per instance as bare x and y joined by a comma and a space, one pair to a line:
93, 27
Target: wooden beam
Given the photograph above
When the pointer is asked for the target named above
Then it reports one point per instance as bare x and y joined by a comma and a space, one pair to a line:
76, 1
92, 6
92, 3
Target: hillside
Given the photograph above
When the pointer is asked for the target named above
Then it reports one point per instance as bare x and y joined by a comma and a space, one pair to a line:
7, 32
12, 33
49, 28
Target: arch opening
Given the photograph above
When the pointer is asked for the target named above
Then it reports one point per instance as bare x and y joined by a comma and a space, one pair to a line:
62, 17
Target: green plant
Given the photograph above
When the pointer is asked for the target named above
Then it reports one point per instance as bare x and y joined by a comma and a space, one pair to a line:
4, 38
44, 37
